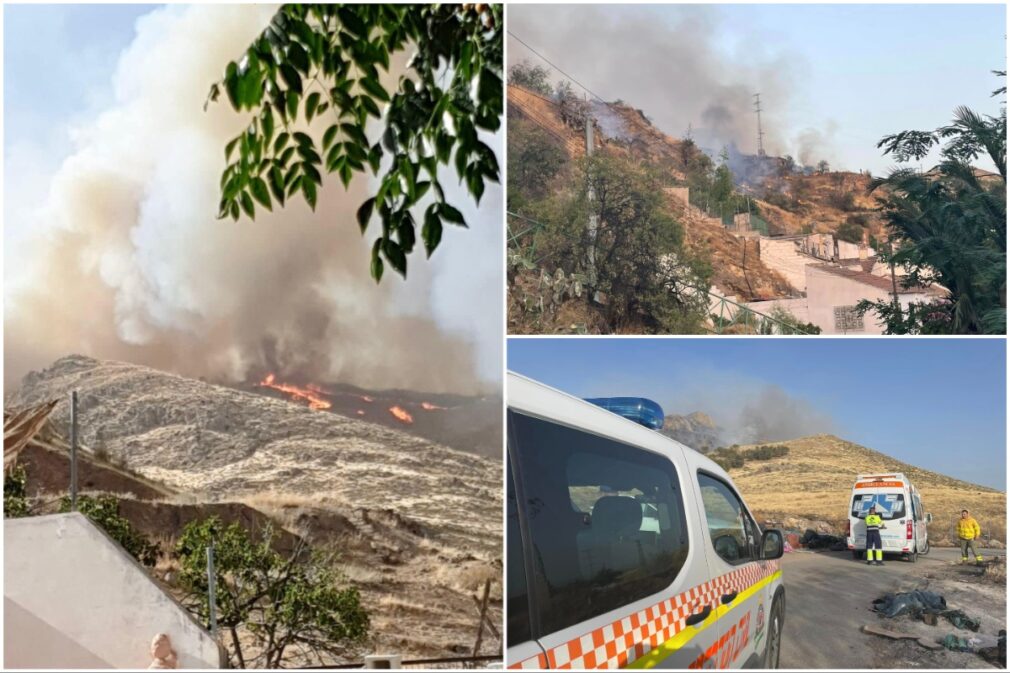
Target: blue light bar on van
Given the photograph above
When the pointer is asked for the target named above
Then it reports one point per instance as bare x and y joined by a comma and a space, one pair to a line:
639, 409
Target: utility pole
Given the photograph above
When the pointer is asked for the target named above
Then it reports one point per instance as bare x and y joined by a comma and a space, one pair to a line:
761, 134
212, 591
73, 451
591, 196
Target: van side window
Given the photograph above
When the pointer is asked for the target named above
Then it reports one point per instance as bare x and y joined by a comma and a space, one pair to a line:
734, 533
518, 599
606, 521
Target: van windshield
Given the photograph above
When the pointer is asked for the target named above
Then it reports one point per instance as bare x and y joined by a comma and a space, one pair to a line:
889, 505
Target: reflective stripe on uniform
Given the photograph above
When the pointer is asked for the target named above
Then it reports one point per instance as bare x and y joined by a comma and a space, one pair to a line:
645, 638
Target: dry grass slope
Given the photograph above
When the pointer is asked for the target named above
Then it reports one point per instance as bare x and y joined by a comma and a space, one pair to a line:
814, 480
419, 523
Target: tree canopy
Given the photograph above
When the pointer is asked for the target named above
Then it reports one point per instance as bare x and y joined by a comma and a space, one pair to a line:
644, 271
948, 226
286, 603
322, 62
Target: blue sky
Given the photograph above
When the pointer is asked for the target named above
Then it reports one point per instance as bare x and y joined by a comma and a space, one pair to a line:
853, 72
77, 47
878, 69
939, 404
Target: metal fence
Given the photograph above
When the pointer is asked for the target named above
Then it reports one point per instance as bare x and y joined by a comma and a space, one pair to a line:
448, 663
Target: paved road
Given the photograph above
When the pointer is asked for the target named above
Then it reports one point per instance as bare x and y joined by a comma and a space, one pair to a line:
828, 598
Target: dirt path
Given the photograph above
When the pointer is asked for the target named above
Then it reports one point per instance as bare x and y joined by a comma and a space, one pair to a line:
829, 597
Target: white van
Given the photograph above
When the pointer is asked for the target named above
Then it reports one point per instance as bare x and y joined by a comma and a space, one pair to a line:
628, 549
899, 505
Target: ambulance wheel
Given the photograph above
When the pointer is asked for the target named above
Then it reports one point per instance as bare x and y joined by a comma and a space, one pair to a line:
773, 646
914, 556
858, 555
925, 550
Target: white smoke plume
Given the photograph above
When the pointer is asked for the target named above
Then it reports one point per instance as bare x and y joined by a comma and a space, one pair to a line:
133, 265
814, 145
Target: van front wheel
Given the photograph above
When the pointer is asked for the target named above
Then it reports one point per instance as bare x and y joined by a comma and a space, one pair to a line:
773, 646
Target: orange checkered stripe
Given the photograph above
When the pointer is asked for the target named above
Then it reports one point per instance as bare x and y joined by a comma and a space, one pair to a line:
621, 642
539, 661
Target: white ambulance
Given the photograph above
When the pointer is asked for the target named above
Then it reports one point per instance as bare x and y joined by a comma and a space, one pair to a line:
899, 506
626, 549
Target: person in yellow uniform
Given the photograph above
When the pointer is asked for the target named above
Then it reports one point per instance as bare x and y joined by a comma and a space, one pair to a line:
968, 531
873, 543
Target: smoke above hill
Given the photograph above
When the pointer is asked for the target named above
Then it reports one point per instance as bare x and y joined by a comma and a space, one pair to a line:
747, 412
673, 70
131, 263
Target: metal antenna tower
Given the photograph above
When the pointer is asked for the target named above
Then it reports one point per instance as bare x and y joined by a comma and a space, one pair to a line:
761, 134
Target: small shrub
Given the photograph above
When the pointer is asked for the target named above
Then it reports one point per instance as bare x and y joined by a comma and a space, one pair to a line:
845, 201
15, 493
850, 232
103, 510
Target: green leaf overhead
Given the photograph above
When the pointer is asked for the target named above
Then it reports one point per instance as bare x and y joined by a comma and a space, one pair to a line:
323, 103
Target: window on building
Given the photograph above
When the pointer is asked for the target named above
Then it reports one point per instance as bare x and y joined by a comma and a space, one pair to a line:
606, 521
847, 319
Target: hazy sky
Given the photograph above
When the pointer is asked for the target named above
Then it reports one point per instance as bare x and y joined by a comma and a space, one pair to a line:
68, 70
853, 73
936, 403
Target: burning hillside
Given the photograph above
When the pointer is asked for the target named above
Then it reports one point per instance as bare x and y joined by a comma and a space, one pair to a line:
416, 521
463, 422
626, 131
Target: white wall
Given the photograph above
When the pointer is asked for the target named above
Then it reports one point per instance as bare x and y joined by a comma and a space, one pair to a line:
826, 290
73, 598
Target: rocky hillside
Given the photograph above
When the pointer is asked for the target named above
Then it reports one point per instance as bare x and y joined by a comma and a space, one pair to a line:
814, 481
697, 430
418, 524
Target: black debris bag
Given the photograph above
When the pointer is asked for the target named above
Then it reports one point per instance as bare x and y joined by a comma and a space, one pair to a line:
912, 603
814, 540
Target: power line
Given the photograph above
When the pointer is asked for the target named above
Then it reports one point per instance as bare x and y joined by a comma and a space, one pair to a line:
548, 62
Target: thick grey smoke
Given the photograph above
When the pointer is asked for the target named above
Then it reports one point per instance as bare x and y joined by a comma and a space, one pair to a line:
748, 412
669, 69
668, 64
813, 145
134, 266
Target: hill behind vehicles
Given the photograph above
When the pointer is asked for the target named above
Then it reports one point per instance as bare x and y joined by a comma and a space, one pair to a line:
813, 482
626, 548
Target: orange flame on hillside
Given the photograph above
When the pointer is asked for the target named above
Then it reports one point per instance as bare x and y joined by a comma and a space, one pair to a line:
366, 398
310, 393
428, 406
401, 414
361, 412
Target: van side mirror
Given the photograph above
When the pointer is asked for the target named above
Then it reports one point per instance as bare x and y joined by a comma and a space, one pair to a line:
772, 545
727, 547
929, 518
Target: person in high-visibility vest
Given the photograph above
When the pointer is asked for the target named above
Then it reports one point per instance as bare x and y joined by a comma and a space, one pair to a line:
968, 531
873, 544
